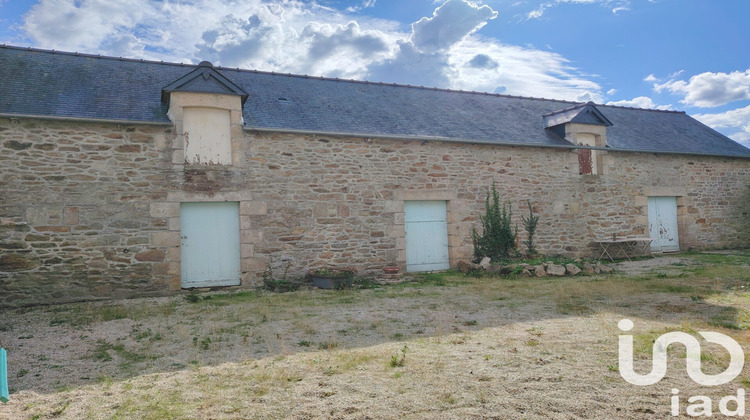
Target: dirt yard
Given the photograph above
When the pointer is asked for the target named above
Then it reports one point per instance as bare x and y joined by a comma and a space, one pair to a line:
444, 346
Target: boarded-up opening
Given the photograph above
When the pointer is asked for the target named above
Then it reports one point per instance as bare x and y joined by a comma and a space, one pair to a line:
207, 135
584, 162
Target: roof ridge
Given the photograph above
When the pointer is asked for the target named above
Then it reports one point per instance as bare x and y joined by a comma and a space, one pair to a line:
366, 82
104, 57
305, 76
672, 111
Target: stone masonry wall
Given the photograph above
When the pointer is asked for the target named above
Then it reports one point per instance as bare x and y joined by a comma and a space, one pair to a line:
91, 211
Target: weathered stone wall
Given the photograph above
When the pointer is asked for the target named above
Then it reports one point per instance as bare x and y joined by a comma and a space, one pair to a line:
91, 210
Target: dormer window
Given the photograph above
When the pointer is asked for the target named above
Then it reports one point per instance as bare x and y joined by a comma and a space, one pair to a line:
204, 106
582, 125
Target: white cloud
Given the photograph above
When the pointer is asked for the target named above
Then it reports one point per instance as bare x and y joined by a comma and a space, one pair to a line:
734, 123
443, 50
639, 102
710, 89
611, 92
650, 78
453, 21
615, 6
520, 71
72, 25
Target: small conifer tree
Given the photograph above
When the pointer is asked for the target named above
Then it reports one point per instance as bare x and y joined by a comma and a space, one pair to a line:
498, 238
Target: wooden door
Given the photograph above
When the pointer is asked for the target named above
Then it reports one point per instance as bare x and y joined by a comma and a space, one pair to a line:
426, 235
210, 245
662, 224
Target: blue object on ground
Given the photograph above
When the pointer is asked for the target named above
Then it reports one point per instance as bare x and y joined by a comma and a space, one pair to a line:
3, 377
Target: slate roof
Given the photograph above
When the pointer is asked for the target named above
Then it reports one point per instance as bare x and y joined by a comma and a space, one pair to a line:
66, 85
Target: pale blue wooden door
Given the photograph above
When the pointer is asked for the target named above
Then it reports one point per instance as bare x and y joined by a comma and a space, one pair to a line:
662, 224
210, 245
426, 235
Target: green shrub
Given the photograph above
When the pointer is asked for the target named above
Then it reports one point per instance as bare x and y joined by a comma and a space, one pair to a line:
498, 238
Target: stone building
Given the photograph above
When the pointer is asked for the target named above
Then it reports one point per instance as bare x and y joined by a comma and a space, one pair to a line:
124, 177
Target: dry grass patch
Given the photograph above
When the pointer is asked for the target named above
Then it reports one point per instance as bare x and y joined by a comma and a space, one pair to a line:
444, 346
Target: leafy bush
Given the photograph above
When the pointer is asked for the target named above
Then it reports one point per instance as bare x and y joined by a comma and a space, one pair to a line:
498, 238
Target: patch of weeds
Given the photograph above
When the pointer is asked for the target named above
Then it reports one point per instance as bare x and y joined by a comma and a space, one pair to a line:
573, 306
613, 368
328, 345
330, 371
471, 323
57, 321
203, 343
148, 334
364, 283
670, 288
397, 336
399, 360
279, 282
728, 322
111, 313
447, 397
101, 352
304, 343
433, 279
697, 298
21, 373
532, 342
643, 343
193, 297
535, 330
60, 409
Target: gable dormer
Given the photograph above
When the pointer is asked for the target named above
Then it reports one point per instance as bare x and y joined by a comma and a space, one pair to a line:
206, 109
582, 125
204, 79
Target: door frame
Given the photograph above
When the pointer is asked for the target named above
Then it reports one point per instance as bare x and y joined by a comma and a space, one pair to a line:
458, 248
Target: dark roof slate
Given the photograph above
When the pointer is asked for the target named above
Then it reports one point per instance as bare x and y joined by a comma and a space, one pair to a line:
581, 114
203, 79
54, 84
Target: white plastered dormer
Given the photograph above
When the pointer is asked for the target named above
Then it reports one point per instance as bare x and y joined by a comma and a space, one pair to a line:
582, 125
206, 109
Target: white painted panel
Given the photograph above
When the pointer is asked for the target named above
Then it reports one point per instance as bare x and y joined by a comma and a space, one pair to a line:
210, 254
426, 235
207, 135
662, 224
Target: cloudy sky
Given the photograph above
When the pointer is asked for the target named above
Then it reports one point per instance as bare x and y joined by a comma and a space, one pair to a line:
689, 55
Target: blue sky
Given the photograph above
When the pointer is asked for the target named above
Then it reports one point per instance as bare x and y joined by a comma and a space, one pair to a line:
689, 55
